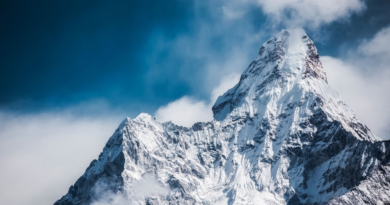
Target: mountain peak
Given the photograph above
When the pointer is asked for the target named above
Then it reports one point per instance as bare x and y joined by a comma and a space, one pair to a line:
144, 117
290, 51
284, 61
286, 74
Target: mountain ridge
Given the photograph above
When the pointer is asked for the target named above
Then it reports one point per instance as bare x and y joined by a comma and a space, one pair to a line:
280, 136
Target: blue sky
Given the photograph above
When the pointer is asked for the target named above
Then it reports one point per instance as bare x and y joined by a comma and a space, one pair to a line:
126, 53
71, 71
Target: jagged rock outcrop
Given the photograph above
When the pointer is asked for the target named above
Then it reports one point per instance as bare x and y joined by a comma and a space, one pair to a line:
280, 136
375, 189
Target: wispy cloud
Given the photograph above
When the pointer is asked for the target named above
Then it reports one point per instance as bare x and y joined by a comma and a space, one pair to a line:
42, 154
363, 78
378, 46
230, 13
187, 110
140, 190
304, 13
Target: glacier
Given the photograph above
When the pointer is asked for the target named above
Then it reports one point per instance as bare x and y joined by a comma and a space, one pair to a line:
280, 136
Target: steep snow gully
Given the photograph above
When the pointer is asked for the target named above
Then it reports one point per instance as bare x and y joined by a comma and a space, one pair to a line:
280, 136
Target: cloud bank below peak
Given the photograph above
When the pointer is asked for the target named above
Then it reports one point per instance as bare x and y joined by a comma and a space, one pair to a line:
186, 110
300, 13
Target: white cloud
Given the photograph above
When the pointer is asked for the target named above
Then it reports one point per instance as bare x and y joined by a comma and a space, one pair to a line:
310, 12
230, 13
148, 185
41, 155
367, 69
367, 95
107, 197
297, 13
186, 111
225, 84
145, 187
378, 46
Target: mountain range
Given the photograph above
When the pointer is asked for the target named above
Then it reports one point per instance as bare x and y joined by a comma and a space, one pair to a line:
280, 136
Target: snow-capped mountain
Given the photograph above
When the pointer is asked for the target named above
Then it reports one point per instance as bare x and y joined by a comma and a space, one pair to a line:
280, 136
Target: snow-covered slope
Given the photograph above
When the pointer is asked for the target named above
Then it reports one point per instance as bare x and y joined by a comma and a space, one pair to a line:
280, 136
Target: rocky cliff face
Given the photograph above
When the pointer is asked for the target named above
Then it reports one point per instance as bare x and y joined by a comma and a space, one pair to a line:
280, 136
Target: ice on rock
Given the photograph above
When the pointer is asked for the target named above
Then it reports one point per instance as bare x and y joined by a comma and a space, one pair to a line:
280, 136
